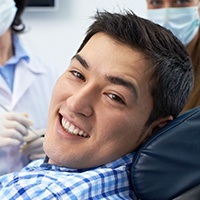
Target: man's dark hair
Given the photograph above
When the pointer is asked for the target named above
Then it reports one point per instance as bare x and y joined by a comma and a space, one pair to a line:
171, 79
17, 25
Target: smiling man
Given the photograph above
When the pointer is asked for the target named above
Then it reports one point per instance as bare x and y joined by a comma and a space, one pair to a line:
101, 115
128, 79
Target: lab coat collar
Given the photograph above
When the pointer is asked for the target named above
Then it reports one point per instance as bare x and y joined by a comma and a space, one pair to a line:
35, 66
30, 59
30, 70
26, 72
4, 89
33, 63
19, 51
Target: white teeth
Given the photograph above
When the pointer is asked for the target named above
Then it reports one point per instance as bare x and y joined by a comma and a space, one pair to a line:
63, 122
84, 135
72, 129
76, 131
67, 124
81, 132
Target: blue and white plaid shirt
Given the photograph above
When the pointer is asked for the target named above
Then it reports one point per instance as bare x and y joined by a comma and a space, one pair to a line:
40, 180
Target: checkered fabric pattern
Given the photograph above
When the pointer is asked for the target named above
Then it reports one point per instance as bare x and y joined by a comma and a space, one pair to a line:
40, 180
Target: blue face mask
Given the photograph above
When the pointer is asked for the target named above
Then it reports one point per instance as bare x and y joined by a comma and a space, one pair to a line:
183, 22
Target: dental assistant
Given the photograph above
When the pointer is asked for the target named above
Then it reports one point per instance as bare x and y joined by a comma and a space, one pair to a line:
25, 89
183, 19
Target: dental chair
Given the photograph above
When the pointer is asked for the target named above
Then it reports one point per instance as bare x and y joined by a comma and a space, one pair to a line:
167, 166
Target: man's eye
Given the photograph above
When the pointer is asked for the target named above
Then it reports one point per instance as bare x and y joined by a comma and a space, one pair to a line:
78, 75
116, 98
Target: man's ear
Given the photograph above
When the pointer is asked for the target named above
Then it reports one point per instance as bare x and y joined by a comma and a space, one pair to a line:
154, 127
158, 124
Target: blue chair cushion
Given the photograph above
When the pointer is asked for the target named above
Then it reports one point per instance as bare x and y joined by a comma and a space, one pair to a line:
168, 163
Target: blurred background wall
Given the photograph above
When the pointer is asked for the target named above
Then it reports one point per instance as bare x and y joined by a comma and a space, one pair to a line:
56, 35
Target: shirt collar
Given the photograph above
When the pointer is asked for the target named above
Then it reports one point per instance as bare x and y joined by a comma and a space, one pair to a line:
19, 52
23, 54
125, 160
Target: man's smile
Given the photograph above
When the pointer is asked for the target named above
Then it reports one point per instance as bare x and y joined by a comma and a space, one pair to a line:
72, 129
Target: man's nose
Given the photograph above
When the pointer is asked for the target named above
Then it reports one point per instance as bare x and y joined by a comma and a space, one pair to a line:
82, 101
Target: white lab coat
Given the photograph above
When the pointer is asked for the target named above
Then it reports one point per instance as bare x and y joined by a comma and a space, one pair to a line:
33, 84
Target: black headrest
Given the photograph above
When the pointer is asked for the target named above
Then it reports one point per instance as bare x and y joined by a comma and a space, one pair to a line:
168, 164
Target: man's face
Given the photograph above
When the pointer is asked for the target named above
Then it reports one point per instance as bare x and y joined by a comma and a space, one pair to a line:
152, 4
99, 106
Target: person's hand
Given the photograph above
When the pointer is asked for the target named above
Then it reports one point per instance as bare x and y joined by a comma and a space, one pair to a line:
13, 128
33, 144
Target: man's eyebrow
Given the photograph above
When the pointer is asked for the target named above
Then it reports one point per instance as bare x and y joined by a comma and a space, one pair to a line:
121, 81
81, 60
112, 79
